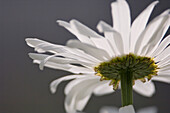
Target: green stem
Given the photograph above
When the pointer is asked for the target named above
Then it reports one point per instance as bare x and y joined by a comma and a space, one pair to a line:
126, 88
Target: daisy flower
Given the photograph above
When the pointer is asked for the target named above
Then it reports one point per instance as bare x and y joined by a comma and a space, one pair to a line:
128, 54
127, 109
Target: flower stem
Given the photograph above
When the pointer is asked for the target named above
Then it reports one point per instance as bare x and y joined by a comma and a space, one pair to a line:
126, 87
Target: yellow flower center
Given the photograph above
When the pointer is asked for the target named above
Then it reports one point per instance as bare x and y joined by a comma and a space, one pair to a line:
141, 68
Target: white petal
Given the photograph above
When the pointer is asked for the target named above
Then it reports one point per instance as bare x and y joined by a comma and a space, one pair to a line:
104, 27
81, 57
41, 66
164, 62
79, 93
82, 38
59, 60
160, 78
61, 50
156, 38
82, 29
145, 89
102, 43
67, 67
33, 42
103, 89
148, 110
55, 83
82, 103
151, 30
89, 49
109, 110
163, 73
162, 46
127, 109
122, 21
163, 55
73, 83
115, 41
139, 24
165, 68
43, 46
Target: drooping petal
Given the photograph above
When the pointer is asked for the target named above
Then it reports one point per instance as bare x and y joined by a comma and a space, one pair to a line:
93, 51
73, 83
151, 30
122, 21
60, 50
78, 93
145, 89
139, 24
55, 83
127, 109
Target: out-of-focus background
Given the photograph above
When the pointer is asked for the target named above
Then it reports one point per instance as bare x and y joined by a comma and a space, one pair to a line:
23, 87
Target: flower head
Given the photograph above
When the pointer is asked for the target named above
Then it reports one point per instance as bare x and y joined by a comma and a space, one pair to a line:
140, 47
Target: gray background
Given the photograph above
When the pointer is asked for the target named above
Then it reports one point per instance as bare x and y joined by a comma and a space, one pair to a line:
23, 87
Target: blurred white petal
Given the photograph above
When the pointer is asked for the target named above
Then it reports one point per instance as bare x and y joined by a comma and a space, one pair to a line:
146, 89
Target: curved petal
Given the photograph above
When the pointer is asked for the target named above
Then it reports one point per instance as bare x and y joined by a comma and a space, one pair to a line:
139, 24
55, 83
80, 93
64, 51
122, 21
73, 83
145, 89
127, 109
